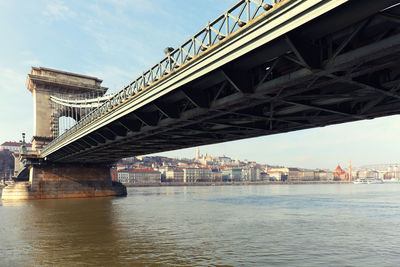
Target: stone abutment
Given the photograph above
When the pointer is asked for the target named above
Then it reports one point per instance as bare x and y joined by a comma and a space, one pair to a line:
56, 180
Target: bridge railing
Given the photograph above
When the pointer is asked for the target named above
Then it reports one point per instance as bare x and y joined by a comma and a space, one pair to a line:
239, 15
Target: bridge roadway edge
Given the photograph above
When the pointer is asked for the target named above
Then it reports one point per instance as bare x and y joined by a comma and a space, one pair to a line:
208, 62
50, 181
57, 187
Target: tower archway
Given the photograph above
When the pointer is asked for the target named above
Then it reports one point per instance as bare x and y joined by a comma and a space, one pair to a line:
45, 83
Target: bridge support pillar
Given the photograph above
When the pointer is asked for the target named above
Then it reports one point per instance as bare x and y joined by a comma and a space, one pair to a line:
65, 181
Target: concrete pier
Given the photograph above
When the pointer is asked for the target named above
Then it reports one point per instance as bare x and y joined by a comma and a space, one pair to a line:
64, 181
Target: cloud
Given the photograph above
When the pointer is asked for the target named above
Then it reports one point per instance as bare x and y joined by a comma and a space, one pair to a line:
58, 10
10, 80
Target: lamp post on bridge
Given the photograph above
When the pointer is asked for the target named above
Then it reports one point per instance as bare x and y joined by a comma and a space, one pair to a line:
22, 149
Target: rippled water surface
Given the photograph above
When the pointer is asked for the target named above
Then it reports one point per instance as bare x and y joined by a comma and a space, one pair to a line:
282, 225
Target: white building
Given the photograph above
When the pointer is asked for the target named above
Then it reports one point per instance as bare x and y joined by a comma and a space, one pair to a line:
192, 175
251, 174
232, 174
366, 173
325, 175
224, 160
277, 175
175, 175
139, 176
14, 146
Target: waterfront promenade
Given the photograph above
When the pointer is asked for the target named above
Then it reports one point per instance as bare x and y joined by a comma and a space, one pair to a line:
238, 183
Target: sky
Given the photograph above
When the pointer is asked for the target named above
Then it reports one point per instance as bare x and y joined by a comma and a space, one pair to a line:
116, 40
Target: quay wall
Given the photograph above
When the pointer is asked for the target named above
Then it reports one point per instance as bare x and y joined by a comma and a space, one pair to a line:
236, 183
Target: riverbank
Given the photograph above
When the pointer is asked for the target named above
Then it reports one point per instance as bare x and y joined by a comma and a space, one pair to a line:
236, 183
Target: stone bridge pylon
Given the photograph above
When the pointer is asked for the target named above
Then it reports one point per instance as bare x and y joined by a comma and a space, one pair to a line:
58, 94
45, 83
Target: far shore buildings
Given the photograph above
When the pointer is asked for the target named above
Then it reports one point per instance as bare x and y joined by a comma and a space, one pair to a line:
175, 176
232, 174
184, 173
14, 146
139, 176
193, 175
11, 170
340, 174
298, 174
206, 168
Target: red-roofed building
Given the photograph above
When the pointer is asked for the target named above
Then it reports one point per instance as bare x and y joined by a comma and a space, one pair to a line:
114, 175
339, 174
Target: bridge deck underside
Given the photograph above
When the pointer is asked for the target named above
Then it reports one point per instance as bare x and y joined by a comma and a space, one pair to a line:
341, 67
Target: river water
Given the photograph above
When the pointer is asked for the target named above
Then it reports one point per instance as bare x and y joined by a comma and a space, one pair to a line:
265, 225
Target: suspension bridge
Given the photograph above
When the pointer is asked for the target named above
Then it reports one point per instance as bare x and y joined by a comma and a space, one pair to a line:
260, 68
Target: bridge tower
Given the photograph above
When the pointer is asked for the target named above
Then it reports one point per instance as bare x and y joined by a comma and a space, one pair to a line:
40, 178
45, 82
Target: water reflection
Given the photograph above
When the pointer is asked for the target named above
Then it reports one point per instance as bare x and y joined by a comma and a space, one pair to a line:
65, 231
304, 225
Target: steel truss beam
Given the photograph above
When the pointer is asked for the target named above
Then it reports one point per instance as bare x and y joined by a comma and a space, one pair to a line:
297, 94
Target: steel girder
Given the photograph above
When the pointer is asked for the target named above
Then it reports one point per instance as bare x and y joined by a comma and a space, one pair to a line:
346, 74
